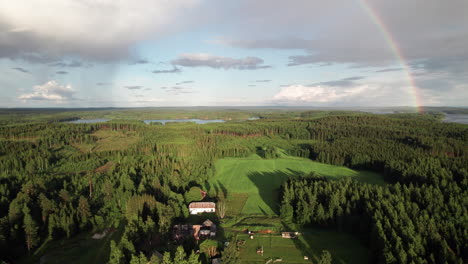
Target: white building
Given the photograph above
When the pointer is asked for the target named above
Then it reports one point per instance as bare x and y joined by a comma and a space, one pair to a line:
202, 207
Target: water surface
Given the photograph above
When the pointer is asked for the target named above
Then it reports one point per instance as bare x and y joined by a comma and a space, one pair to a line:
198, 121
456, 118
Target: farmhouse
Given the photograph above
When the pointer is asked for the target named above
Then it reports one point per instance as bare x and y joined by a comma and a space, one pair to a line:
202, 207
207, 229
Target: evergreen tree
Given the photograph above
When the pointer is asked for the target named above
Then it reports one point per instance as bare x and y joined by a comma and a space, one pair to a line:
325, 257
116, 254
30, 230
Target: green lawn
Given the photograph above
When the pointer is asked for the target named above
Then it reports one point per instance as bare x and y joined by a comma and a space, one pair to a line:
261, 179
344, 248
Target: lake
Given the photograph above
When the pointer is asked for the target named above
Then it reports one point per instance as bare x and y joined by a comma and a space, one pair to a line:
88, 121
163, 121
456, 118
198, 121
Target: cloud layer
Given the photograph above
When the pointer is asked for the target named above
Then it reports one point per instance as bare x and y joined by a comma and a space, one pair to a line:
98, 30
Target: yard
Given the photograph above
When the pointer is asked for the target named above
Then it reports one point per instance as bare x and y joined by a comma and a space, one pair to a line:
344, 248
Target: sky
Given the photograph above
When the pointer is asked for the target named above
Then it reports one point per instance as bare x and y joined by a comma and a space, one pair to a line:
140, 53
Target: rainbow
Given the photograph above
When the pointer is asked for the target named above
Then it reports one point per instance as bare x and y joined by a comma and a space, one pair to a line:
396, 50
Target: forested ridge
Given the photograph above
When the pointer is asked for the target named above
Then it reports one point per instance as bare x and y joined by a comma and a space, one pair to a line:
58, 180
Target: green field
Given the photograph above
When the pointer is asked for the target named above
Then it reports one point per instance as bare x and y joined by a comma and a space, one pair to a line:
344, 248
261, 179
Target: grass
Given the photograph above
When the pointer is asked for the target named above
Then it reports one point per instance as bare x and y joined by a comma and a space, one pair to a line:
236, 203
254, 223
261, 179
344, 248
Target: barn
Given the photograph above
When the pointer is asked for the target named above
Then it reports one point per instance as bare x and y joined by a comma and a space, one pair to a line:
202, 207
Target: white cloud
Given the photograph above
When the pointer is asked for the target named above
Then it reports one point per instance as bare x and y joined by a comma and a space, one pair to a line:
96, 29
50, 91
317, 94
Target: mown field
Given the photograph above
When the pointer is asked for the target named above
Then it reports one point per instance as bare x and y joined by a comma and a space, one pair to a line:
251, 184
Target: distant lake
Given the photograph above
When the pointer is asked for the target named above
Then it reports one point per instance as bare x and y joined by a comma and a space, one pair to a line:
456, 118
377, 112
163, 121
198, 121
87, 121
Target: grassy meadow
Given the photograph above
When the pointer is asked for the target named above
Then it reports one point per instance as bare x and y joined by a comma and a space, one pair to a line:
344, 248
252, 183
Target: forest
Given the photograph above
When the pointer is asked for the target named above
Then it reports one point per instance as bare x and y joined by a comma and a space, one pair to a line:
132, 181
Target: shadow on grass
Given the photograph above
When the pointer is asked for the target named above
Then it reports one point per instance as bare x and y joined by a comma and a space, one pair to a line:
301, 245
269, 183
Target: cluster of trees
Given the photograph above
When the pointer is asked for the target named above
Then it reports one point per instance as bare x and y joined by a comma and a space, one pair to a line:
421, 218
401, 223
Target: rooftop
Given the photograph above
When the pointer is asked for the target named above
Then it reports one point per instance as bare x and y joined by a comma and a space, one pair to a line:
202, 205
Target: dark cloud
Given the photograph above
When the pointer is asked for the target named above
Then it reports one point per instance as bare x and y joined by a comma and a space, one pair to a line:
354, 78
443, 74
420, 29
262, 81
345, 82
252, 85
70, 64
21, 69
31, 29
133, 87
140, 61
174, 70
277, 43
148, 89
61, 72
103, 83
389, 70
219, 62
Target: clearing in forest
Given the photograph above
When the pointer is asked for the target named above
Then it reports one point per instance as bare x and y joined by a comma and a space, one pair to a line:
260, 179
108, 140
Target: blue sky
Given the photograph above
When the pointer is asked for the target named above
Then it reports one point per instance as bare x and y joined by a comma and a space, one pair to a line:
230, 53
